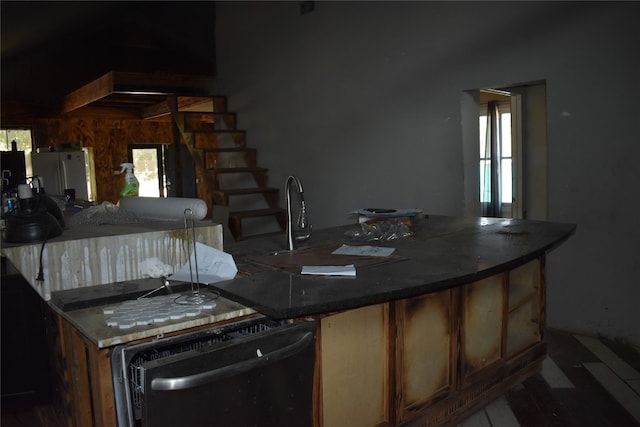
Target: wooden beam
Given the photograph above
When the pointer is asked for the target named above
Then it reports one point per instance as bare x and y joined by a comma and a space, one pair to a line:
162, 83
88, 93
136, 84
183, 102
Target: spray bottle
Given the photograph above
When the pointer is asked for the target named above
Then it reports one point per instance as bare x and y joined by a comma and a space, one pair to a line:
131, 184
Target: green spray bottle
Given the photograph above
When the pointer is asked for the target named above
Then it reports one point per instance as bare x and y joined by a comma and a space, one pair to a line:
131, 184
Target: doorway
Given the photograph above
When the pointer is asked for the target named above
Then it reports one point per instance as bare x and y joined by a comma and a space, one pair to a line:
148, 166
505, 157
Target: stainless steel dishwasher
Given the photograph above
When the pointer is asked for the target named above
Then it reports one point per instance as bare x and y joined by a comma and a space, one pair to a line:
256, 372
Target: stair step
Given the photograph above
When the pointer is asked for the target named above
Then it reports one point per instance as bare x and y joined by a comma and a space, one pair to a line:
209, 121
202, 103
187, 103
219, 139
235, 219
221, 197
219, 104
217, 159
256, 213
197, 103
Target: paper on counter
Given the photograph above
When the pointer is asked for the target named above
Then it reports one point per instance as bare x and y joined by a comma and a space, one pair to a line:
330, 270
363, 250
213, 266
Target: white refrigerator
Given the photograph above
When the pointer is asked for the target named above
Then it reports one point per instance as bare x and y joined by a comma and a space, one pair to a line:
63, 170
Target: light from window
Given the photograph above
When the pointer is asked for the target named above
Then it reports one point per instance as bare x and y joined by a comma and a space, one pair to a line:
505, 160
23, 143
145, 168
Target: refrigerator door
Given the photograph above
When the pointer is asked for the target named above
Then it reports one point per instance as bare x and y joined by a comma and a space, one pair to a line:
45, 166
61, 171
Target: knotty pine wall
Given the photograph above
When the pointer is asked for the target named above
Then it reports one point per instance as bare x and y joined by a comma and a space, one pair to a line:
109, 139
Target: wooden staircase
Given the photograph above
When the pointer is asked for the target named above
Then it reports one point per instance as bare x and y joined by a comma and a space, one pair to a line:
229, 178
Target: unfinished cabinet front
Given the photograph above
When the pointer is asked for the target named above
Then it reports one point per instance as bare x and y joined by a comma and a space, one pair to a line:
482, 326
526, 303
432, 359
425, 351
354, 367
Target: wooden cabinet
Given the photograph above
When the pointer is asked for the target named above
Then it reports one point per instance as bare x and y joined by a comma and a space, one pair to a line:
433, 359
525, 307
26, 370
83, 381
482, 327
425, 351
354, 359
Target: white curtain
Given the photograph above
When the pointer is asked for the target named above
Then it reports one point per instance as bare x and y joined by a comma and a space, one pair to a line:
492, 181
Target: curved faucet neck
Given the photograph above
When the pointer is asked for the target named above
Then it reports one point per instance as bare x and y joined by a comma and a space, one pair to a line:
302, 219
293, 179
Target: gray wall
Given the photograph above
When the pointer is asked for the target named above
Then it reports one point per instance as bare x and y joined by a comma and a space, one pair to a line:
363, 101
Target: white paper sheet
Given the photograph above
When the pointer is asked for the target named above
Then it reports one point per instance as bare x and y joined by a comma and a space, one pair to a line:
213, 266
330, 270
363, 250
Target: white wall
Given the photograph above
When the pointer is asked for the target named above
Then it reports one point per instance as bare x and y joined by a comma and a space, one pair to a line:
363, 101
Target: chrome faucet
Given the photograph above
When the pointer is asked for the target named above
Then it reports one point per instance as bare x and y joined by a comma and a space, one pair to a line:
304, 231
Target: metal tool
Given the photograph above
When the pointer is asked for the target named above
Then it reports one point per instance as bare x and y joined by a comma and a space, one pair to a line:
196, 296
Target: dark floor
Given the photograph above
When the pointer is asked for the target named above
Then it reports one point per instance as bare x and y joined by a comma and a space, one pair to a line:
37, 416
585, 382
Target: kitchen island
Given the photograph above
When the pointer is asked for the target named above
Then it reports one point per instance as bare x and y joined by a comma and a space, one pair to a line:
426, 336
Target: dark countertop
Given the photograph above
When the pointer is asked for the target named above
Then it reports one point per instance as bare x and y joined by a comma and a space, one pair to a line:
443, 252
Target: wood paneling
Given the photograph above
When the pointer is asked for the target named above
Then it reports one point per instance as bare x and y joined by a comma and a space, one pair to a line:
109, 139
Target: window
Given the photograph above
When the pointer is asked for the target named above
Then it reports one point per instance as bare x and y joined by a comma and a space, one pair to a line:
23, 143
496, 163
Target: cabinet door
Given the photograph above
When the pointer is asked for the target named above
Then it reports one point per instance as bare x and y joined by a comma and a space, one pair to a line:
525, 301
424, 351
483, 305
26, 375
354, 367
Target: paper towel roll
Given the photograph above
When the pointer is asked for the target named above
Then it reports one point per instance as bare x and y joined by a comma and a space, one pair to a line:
164, 208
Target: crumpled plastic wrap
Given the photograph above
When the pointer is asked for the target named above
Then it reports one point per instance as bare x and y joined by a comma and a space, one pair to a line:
104, 213
154, 267
381, 231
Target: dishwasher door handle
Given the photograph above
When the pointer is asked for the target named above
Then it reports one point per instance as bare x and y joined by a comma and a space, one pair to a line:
195, 380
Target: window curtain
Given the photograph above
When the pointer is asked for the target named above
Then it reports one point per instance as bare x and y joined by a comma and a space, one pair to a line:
493, 206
